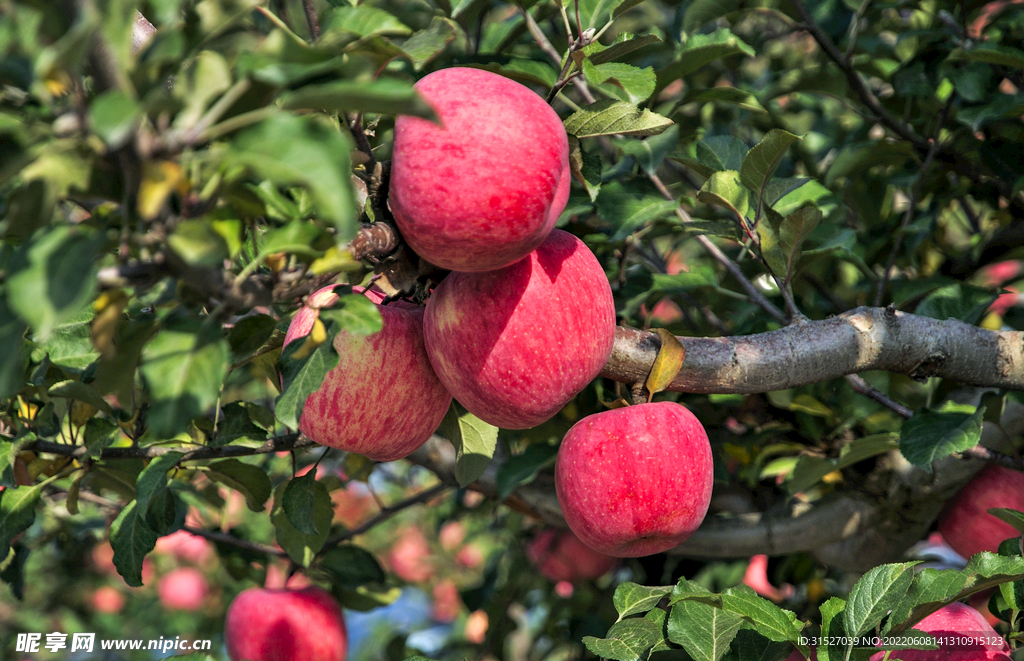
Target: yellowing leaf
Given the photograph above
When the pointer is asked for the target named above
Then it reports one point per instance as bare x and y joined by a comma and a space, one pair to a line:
315, 338
159, 180
667, 364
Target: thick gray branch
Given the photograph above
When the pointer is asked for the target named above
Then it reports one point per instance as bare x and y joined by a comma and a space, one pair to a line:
857, 341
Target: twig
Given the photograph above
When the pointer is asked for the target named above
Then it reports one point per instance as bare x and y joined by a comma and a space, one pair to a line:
355, 127
869, 99
722, 258
225, 538
915, 195
864, 388
388, 512
539, 36
993, 457
281, 443
311, 19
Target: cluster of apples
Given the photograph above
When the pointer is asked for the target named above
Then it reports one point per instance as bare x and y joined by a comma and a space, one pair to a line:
524, 321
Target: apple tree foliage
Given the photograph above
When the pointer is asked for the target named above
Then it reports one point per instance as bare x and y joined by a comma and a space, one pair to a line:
740, 167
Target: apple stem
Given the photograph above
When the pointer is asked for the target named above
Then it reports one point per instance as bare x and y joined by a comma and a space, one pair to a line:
638, 393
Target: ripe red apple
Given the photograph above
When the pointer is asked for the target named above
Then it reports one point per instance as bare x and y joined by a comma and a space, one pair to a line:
635, 481
516, 344
183, 589
285, 625
971, 634
561, 556
382, 400
485, 187
966, 524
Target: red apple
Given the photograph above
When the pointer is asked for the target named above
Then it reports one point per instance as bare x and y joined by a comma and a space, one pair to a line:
967, 526
470, 556
285, 625
973, 638
561, 556
756, 577
186, 547
485, 187
447, 601
382, 400
182, 589
635, 481
107, 599
451, 535
516, 344
476, 627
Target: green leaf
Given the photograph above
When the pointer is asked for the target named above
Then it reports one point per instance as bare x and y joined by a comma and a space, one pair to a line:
722, 152
112, 117
355, 314
153, 478
704, 631
521, 469
586, 167
627, 640
724, 189
131, 538
771, 621
351, 566
749, 645
628, 210
250, 481
763, 159
80, 392
930, 587
301, 377
701, 49
597, 53
731, 95
299, 502
364, 21
290, 150
700, 12
474, 442
49, 280
649, 153
295, 237
998, 54
424, 45
623, 81
832, 629
17, 512
68, 346
300, 547
809, 469
184, 366
630, 598
14, 574
199, 244
613, 117
929, 436
875, 594
957, 301
1014, 517
793, 232
386, 96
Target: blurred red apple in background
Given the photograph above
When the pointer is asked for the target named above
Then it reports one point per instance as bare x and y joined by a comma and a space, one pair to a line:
756, 576
451, 535
285, 625
486, 333
636, 480
409, 557
965, 523
186, 547
561, 556
382, 400
183, 589
447, 602
472, 195
107, 599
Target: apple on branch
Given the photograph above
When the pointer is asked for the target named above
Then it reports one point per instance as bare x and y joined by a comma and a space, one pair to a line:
484, 187
636, 480
285, 625
514, 345
962, 634
382, 400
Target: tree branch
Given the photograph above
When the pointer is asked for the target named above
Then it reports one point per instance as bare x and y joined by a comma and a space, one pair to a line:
856, 341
